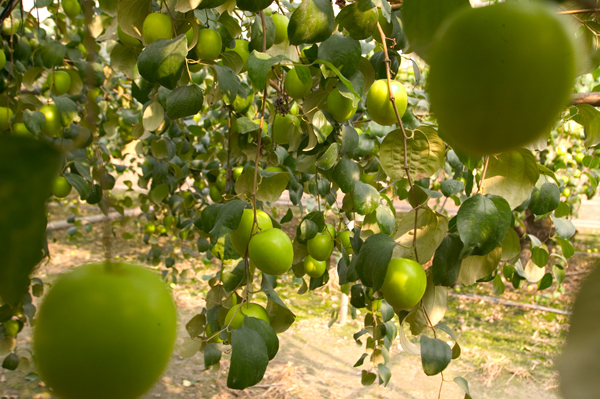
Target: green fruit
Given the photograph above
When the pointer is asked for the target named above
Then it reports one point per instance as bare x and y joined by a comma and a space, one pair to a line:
215, 193
127, 40
11, 26
281, 24
2, 59
519, 49
19, 129
237, 172
149, 228
345, 174
122, 356
281, 126
404, 284
329, 229
209, 333
11, 328
314, 268
241, 105
271, 252
5, 115
60, 81
241, 235
61, 187
241, 47
344, 237
312, 22
71, 7
340, 107
253, 5
209, 44
320, 246
359, 19
380, 106
157, 26
294, 87
52, 127
247, 309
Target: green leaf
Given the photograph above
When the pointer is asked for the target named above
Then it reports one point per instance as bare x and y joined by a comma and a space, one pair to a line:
567, 248
82, 186
431, 230
184, 101
249, 358
384, 374
163, 61
259, 65
475, 267
256, 34
271, 185
367, 378
123, 59
511, 245
212, 355
34, 121
11, 362
366, 198
67, 110
461, 382
452, 187
435, 355
589, 118
359, 19
544, 199
343, 52
422, 19
28, 168
312, 22
498, 285
349, 140
228, 219
131, 15
159, 193
559, 274
564, 228
539, 256
545, 282
373, 259
345, 174
511, 175
196, 325
266, 332
446, 262
425, 152
385, 220
280, 315
228, 80
328, 158
52, 54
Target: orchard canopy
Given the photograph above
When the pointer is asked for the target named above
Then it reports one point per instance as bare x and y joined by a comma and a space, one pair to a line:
290, 144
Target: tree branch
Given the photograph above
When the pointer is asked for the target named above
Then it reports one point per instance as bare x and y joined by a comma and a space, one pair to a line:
592, 98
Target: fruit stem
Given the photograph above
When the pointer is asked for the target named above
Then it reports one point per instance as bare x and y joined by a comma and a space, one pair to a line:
485, 166
388, 63
229, 173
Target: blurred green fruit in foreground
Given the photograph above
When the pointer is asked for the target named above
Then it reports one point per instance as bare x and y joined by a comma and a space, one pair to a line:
53, 125
500, 75
104, 331
5, 115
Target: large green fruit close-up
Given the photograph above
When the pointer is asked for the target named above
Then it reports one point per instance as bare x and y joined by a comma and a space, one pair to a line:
246, 309
320, 246
71, 7
60, 81
157, 26
104, 331
271, 252
314, 268
241, 236
294, 87
53, 125
404, 284
5, 115
61, 187
340, 107
209, 44
380, 106
500, 75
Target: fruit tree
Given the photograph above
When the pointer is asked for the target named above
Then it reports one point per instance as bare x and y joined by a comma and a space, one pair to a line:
289, 143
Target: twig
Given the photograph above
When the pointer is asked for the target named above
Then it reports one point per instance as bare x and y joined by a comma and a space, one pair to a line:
507, 302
